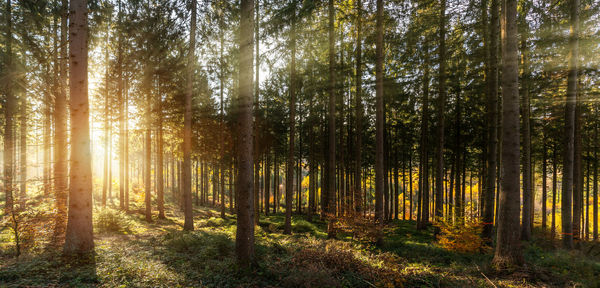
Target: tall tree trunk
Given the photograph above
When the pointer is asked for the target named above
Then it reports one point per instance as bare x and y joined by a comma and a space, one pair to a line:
331, 209
359, 111
256, 109
544, 184
424, 147
160, 193
244, 241
554, 191
60, 134
492, 120
577, 173
568, 162
187, 127
148, 166
508, 250
122, 111
126, 146
79, 235
527, 171
289, 176
595, 193
23, 146
9, 113
105, 181
439, 181
379, 118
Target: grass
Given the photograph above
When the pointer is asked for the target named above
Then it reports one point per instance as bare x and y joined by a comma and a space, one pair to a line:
132, 253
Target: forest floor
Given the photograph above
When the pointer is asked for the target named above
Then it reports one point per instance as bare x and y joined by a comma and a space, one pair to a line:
132, 253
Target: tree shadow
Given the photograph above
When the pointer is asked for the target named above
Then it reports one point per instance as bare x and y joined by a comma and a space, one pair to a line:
50, 269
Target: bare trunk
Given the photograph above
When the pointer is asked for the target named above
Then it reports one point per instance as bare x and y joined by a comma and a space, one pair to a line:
508, 250
79, 235
439, 167
379, 119
569, 132
244, 151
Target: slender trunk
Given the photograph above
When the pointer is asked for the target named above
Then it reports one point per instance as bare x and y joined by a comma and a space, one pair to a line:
527, 171
424, 147
544, 184
9, 113
439, 181
554, 191
379, 119
359, 111
244, 241
569, 132
331, 209
489, 198
289, 176
595, 196
23, 146
79, 235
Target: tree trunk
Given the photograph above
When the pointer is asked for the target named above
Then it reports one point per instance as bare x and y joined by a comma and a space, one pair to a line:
331, 209
23, 147
379, 119
79, 235
508, 250
359, 111
595, 193
289, 176
544, 183
569, 132
424, 147
527, 172
244, 241
439, 181
492, 129
554, 190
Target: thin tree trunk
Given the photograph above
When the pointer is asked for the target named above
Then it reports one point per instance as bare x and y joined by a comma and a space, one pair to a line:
544, 184
289, 176
595, 196
379, 119
359, 111
331, 209
554, 190
527, 171
244, 241
492, 129
439, 181
569, 132
424, 147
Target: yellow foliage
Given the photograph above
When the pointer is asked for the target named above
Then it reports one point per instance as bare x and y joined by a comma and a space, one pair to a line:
461, 238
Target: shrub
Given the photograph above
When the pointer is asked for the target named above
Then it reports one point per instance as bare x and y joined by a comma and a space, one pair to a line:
361, 228
112, 221
461, 238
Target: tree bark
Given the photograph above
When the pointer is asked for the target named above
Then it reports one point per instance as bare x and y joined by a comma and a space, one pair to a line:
244, 241
527, 171
331, 207
492, 129
379, 119
79, 235
439, 181
187, 127
289, 176
508, 250
569, 128
359, 111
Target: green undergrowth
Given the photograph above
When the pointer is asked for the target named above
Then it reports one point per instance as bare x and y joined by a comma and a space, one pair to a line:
133, 253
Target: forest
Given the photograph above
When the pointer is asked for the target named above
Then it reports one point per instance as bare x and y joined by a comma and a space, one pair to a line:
299, 143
